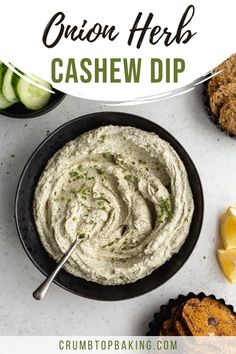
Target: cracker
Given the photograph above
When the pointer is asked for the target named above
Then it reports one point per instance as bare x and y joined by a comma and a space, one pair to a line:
224, 94
209, 317
218, 81
180, 325
167, 328
227, 118
227, 74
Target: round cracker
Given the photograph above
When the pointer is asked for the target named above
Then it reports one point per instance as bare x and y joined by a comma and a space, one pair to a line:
227, 118
219, 80
224, 94
229, 65
227, 74
213, 85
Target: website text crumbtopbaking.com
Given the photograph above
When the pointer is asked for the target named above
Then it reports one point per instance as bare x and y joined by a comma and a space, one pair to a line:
117, 345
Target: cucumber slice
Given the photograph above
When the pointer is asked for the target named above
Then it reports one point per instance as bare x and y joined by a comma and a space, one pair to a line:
33, 97
4, 103
7, 89
14, 82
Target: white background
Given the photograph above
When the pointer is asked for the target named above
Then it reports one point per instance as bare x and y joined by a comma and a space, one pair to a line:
23, 23
62, 313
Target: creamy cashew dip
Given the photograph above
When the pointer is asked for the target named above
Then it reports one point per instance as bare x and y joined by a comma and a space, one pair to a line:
128, 191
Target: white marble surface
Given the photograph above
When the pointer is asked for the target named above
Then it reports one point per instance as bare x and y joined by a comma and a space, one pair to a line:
62, 313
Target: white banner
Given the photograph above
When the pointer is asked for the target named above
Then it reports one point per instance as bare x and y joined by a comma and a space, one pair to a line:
117, 51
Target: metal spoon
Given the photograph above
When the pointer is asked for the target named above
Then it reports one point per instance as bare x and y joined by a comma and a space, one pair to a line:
41, 291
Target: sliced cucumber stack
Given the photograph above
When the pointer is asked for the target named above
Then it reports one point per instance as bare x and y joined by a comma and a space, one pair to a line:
32, 96
4, 103
14, 89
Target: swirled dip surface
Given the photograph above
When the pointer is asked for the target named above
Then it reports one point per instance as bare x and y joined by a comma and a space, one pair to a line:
127, 190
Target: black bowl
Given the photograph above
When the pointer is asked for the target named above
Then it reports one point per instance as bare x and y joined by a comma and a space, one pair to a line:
18, 110
25, 221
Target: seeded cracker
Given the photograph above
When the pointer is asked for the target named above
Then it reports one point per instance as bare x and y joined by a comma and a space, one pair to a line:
227, 117
227, 75
224, 94
209, 318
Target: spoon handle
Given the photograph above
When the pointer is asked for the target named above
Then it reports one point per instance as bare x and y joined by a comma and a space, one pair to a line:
41, 291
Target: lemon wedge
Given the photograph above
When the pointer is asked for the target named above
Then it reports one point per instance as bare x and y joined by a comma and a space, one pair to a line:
227, 260
228, 228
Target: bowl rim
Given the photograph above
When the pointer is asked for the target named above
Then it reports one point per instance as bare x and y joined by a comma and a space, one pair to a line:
200, 215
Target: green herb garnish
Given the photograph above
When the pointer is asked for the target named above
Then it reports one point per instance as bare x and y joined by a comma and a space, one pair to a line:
165, 209
100, 171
